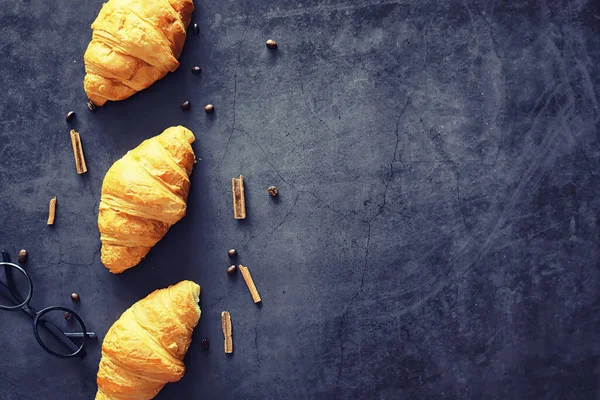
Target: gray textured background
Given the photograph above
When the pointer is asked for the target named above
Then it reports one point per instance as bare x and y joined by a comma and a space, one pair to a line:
437, 230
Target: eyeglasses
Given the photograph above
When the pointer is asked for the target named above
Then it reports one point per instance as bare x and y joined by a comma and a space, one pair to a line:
59, 330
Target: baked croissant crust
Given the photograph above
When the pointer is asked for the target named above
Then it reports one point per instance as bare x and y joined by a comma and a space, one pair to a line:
134, 44
144, 349
143, 195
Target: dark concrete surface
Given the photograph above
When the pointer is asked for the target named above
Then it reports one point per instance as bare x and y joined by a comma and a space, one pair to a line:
437, 231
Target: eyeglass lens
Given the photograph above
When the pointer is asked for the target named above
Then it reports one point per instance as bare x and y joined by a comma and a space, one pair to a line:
58, 321
14, 286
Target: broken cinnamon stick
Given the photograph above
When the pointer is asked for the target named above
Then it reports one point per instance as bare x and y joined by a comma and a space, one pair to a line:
227, 332
250, 283
239, 200
52, 211
78, 153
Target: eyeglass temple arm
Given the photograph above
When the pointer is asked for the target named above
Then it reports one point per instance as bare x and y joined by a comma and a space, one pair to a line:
90, 335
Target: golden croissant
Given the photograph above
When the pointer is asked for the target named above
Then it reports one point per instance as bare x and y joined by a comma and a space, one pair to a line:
134, 44
143, 195
144, 349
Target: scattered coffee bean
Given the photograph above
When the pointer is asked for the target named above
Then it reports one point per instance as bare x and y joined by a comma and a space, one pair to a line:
232, 253
209, 108
185, 105
195, 29
74, 297
271, 44
204, 344
22, 256
70, 116
91, 106
273, 191
196, 70
231, 270
68, 316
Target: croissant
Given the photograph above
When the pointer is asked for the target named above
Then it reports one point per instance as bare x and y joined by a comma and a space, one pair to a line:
134, 44
143, 195
144, 349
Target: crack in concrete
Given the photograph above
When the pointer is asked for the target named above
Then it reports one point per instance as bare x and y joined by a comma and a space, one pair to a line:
394, 159
330, 207
235, 68
90, 188
288, 213
217, 301
311, 111
292, 184
278, 225
96, 252
346, 312
267, 155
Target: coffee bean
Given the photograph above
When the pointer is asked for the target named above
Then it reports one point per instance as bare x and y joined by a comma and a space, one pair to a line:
271, 44
196, 70
204, 344
91, 106
68, 316
273, 191
209, 108
231, 270
70, 116
74, 297
185, 105
22, 256
232, 253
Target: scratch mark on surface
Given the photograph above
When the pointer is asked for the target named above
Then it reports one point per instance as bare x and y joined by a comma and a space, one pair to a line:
462, 213
366, 263
320, 9
500, 140
256, 347
580, 149
492, 10
537, 233
475, 35
589, 87
538, 159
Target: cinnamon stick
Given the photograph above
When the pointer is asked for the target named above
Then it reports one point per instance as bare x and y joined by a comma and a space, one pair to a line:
250, 283
52, 211
78, 153
239, 200
227, 332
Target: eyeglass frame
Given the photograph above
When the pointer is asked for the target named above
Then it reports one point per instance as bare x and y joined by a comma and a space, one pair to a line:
63, 337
